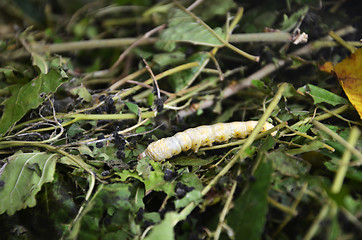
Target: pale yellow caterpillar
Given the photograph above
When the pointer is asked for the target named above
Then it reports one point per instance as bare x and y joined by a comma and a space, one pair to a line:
194, 138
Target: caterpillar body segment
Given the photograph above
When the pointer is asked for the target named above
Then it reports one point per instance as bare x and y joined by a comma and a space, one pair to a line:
194, 138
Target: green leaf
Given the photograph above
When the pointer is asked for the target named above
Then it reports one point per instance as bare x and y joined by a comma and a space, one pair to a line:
85, 150
28, 96
183, 28
164, 59
288, 165
133, 107
291, 22
150, 99
228, 113
321, 95
257, 19
12, 75
40, 62
191, 179
247, 218
164, 230
352, 173
193, 196
113, 199
152, 216
75, 129
23, 177
153, 178
82, 92
180, 79
258, 84
191, 161
211, 8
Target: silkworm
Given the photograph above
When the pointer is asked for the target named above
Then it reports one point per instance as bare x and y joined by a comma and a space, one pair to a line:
194, 138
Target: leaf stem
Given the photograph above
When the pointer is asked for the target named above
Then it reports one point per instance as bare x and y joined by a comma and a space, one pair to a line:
344, 162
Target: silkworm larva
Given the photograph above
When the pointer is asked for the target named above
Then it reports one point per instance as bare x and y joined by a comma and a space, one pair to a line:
194, 138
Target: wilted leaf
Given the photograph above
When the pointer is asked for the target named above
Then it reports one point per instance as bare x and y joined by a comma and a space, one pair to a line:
23, 177
326, 67
349, 73
28, 96
321, 95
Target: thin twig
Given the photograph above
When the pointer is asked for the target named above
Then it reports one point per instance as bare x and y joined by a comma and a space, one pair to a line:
225, 210
334, 135
157, 88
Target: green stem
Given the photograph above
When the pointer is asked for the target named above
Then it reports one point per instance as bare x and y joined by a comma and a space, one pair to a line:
323, 44
225, 210
334, 135
158, 77
188, 209
343, 166
249, 140
342, 42
316, 224
89, 44
121, 95
318, 118
261, 37
192, 93
81, 117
